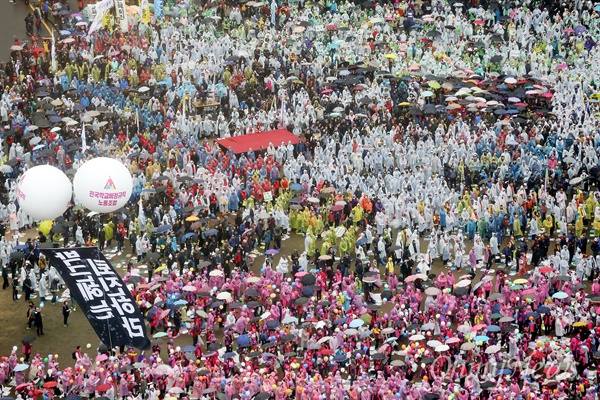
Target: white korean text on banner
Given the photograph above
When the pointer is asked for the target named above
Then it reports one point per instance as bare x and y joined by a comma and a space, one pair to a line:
102, 296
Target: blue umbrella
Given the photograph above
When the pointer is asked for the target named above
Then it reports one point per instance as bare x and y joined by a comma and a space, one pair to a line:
481, 338
356, 323
163, 229
361, 241
210, 232
504, 372
243, 340
188, 348
543, 310
296, 186
187, 236
493, 328
180, 303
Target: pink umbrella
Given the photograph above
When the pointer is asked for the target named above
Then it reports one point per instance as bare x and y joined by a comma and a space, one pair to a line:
189, 288
326, 91
164, 313
453, 340
548, 95
102, 357
561, 66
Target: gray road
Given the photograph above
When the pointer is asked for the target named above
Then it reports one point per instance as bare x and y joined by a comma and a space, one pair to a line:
12, 25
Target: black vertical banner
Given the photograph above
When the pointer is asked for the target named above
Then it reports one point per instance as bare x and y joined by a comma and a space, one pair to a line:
102, 296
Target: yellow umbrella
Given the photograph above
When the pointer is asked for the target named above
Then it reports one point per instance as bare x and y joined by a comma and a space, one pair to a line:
404, 104
520, 281
298, 81
161, 268
193, 218
45, 227
595, 96
390, 56
580, 324
434, 85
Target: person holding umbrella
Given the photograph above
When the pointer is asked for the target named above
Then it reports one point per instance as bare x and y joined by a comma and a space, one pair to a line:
26, 347
39, 324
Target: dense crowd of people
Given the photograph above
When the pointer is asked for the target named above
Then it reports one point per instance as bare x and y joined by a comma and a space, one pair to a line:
442, 198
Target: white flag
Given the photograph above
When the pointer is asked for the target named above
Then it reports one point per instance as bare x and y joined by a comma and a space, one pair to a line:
83, 141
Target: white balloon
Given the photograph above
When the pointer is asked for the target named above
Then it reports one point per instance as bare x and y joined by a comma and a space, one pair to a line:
44, 192
103, 185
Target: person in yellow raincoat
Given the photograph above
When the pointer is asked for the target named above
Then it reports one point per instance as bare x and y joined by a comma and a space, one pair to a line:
305, 220
517, 232
389, 266
590, 205
109, 231
312, 247
295, 220
319, 224
579, 225
357, 214
548, 224
325, 247
597, 225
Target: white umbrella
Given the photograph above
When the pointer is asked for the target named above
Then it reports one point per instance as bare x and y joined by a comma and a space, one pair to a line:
216, 272
416, 338
224, 296
253, 279
492, 349
463, 283
443, 347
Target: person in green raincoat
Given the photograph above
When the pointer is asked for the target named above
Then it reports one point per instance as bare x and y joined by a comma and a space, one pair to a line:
295, 220
481, 226
109, 232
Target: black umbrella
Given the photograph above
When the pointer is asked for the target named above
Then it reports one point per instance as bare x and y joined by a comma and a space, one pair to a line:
272, 325
251, 293
253, 304
288, 338
152, 256
134, 279
216, 304
214, 346
308, 280
29, 339
308, 291
262, 396
300, 301
17, 255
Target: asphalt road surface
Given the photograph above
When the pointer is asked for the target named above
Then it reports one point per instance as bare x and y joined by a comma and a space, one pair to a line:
12, 25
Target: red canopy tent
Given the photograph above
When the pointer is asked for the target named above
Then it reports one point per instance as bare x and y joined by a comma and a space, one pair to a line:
254, 141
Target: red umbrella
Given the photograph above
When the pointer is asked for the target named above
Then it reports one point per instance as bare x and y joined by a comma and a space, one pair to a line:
103, 388
479, 22
552, 370
337, 207
23, 386
50, 384
326, 352
537, 354
545, 270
